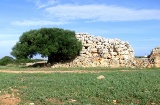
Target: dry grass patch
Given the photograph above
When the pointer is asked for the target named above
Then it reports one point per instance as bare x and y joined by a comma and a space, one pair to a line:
55, 101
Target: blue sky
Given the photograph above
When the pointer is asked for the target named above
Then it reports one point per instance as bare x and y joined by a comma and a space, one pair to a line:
135, 21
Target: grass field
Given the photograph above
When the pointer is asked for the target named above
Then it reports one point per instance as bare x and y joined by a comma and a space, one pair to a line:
121, 88
24, 68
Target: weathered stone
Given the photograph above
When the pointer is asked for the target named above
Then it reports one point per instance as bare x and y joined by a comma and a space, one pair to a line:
98, 51
31, 103
114, 63
113, 53
155, 57
101, 77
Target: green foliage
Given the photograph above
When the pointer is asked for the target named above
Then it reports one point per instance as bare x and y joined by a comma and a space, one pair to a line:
57, 44
6, 60
127, 88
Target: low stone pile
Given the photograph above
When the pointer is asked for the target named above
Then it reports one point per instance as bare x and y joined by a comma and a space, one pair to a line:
141, 63
98, 51
152, 61
155, 57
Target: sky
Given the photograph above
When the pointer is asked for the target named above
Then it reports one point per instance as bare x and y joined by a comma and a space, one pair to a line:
135, 21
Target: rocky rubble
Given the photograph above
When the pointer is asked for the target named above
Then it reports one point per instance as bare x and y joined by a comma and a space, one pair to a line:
152, 61
155, 57
98, 51
141, 63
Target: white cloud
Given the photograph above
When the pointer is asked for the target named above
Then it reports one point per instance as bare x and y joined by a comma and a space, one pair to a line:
36, 23
43, 3
99, 12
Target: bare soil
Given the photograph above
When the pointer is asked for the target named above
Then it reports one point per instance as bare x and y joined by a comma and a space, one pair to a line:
9, 99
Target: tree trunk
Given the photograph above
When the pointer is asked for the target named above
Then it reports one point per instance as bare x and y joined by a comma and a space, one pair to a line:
51, 59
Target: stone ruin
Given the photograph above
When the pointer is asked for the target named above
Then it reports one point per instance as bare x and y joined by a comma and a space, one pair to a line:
152, 61
101, 52
155, 57
105, 52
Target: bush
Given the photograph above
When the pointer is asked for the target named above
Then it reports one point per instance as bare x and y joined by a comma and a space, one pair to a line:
6, 60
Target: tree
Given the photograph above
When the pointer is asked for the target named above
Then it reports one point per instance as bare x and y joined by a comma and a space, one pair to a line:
57, 44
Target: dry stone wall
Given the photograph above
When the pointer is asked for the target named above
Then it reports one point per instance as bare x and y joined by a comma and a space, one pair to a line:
98, 51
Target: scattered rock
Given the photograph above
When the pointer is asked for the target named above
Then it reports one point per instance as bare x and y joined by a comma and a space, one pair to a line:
114, 101
101, 77
72, 100
31, 103
153, 103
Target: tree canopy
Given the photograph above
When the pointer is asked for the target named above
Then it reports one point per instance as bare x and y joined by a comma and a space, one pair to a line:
55, 43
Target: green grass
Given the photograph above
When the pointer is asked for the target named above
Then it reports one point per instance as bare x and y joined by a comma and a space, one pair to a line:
127, 88
24, 68
103, 68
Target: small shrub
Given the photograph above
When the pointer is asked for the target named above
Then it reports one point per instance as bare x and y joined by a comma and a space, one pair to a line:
6, 60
